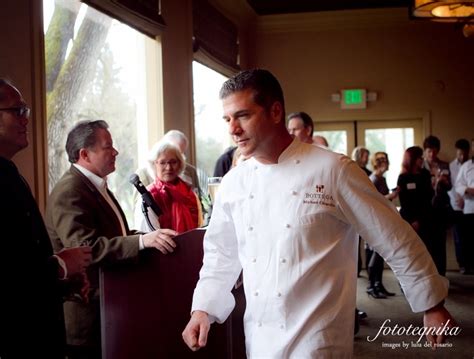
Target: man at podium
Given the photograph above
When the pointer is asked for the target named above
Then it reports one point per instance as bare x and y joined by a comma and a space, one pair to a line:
82, 210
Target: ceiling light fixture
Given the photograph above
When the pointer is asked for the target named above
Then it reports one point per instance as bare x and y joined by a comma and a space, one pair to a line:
454, 11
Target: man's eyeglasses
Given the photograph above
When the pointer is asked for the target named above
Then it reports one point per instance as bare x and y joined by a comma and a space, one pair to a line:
20, 112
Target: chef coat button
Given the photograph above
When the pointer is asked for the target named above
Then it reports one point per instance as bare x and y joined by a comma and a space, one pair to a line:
254, 260
256, 293
282, 326
250, 228
27, 214
287, 225
282, 260
278, 294
259, 324
251, 196
297, 161
294, 193
255, 168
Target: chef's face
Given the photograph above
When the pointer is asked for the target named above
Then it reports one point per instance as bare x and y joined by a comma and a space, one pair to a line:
251, 126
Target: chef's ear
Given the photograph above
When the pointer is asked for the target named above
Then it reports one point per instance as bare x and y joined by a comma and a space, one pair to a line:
276, 112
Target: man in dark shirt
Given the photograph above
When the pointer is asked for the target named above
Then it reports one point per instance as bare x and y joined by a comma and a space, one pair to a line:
33, 279
224, 162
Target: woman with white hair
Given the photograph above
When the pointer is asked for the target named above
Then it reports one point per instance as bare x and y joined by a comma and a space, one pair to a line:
179, 204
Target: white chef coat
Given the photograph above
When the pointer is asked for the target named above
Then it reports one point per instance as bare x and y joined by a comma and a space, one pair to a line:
292, 227
464, 180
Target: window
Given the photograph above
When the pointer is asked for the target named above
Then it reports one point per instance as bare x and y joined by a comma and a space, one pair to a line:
212, 137
340, 135
97, 67
337, 140
391, 136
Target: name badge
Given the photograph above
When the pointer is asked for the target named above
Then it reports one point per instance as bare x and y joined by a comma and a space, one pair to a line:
411, 185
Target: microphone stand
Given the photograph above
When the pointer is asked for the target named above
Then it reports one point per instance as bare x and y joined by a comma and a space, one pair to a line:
145, 213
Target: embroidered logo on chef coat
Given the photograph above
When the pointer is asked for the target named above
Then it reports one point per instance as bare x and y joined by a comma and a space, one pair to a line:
319, 196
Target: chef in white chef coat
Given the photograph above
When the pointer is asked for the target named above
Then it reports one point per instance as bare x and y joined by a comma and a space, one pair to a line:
290, 218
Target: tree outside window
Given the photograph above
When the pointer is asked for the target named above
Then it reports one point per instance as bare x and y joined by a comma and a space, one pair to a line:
94, 70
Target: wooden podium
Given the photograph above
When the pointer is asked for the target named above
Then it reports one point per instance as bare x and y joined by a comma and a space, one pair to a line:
145, 306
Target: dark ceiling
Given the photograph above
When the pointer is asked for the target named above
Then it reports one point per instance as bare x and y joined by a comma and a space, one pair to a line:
270, 7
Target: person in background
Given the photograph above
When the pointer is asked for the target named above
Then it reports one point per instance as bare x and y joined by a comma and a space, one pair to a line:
320, 141
289, 217
360, 155
376, 289
82, 210
34, 280
415, 193
301, 126
463, 149
179, 203
442, 210
465, 187
224, 162
195, 176
438, 168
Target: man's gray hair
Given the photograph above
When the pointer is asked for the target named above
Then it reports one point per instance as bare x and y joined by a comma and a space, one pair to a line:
358, 152
83, 135
176, 136
161, 147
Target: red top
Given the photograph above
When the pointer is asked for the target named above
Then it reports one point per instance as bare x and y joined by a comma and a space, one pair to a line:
178, 203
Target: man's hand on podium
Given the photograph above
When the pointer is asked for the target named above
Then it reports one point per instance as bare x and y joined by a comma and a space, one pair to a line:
195, 333
160, 239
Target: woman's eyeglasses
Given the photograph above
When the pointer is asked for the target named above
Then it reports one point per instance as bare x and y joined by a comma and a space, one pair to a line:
163, 164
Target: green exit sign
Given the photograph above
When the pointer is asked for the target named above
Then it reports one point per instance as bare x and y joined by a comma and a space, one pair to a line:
354, 98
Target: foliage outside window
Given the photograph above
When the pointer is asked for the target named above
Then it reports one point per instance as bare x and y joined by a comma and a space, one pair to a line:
94, 70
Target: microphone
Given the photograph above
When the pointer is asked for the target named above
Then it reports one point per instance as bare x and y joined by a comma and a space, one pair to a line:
146, 196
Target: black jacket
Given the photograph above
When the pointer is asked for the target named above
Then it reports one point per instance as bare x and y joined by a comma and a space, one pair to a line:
31, 314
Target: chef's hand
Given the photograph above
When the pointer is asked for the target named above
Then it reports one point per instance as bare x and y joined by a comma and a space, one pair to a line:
437, 317
195, 333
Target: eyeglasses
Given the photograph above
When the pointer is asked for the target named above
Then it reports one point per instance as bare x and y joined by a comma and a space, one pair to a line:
163, 164
20, 112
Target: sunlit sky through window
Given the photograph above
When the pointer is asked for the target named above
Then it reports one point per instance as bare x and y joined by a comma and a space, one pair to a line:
207, 84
